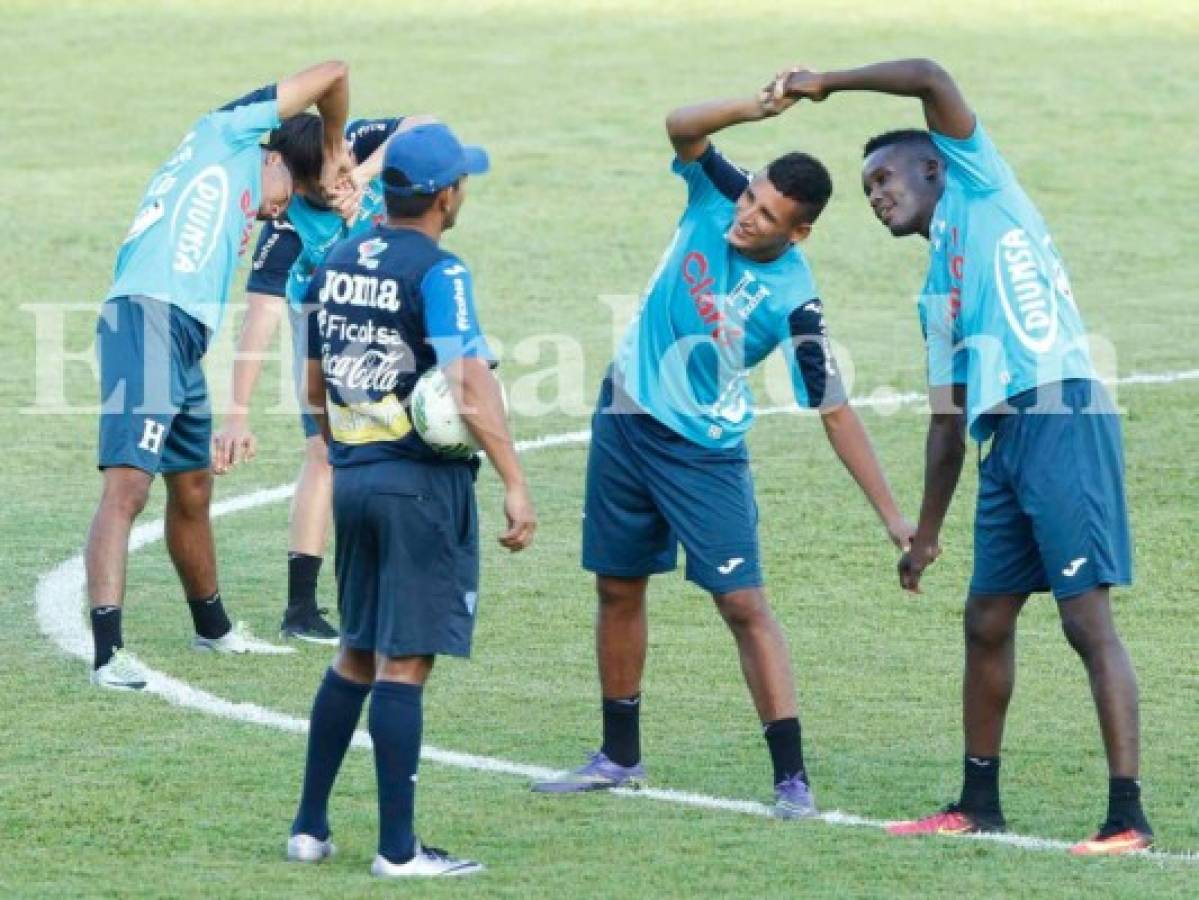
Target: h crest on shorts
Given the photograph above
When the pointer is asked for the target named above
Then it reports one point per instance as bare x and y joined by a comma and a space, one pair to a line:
152, 436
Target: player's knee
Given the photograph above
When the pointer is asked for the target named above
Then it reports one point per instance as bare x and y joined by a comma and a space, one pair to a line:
620, 594
191, 493
987, 632
126, 494
1087, 625
743, 610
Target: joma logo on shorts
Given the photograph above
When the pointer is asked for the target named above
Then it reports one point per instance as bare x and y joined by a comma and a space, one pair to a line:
1027, 278
198, 219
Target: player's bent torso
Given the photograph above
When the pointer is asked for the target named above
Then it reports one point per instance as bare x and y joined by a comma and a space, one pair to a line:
708, 317
198, 211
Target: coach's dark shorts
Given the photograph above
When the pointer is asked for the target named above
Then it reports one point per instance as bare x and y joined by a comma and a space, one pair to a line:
649, 489
407, 557
154, 410
1051, 510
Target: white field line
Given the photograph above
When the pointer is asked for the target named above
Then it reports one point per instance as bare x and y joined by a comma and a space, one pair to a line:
59, 597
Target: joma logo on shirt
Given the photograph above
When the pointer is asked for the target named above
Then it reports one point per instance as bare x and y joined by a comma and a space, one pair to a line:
198, 219
699, 285
360, 290
1026, 279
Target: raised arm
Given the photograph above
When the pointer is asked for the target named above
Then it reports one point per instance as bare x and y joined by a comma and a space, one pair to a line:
327, 85
689, 127
945, 109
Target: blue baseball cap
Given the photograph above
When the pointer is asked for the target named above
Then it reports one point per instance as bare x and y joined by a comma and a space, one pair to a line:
431, 158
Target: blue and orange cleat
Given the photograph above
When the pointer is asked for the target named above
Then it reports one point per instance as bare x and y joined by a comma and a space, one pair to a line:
949, 821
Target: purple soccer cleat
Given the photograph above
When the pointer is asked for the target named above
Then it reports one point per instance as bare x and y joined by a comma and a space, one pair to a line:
599, 774
793, 799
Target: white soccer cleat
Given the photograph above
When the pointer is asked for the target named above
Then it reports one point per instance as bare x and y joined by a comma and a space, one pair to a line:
305, 848
429, 862
238, 640
121, 673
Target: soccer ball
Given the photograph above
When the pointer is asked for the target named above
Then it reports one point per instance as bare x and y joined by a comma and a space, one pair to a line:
435, 416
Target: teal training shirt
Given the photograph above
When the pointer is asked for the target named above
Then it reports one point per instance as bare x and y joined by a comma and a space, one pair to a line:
198, 211
711, 314
996, 308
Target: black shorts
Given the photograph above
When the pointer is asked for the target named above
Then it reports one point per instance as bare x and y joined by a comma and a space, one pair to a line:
407, 557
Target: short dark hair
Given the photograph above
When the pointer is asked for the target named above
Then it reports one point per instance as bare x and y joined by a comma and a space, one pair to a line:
911, 136
300, 140
804, 179
406, 206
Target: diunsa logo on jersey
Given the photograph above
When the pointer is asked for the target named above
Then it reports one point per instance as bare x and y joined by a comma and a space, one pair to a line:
1028, 279
198, 219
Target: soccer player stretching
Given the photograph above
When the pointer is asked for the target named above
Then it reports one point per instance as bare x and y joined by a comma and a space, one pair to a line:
1006, 344
288, 251
668, 462
394, 305
168, 297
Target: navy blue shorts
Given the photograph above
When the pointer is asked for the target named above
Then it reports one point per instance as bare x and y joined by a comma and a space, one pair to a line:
407, 557
154, 410
299, 368
650, 489
1051, 510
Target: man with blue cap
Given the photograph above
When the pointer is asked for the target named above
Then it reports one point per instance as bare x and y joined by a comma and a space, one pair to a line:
390, 305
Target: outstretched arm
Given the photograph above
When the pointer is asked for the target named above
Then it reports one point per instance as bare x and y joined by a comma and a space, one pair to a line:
848, 437
690, 126
945, 109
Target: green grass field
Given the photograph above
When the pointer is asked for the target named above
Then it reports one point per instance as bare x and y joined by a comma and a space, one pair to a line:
115, 795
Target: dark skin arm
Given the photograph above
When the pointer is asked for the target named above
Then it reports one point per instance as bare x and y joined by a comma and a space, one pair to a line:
481, 406
945, 109
944, 452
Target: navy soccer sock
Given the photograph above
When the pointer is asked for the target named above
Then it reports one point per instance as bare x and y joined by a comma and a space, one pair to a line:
395, 726
622, 730
209, 617
302, 573
785, 741
980, 787
335, 713
106, 632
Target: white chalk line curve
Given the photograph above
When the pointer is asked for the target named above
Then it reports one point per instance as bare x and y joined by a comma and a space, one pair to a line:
59, 596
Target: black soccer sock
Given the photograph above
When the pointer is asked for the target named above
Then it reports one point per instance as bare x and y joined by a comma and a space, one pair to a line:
1124, 805
622, 730
106, 633
395, 726
335, 714
208, 615
785, 740
302, 573
980, 786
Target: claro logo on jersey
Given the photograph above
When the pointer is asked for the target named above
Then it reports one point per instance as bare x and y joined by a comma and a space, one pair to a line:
360, 290
1029, 279
699, 288
199, 215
